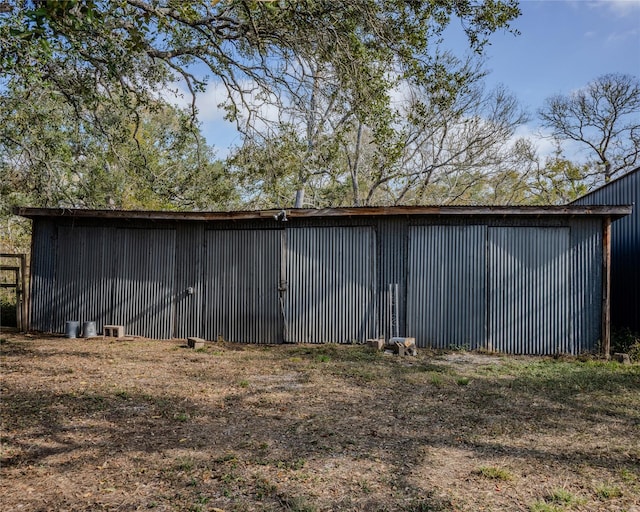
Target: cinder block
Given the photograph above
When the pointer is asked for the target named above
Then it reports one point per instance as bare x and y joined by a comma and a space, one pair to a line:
407, 342
195, 343
114, 331
378, 344
622, 358
404, 346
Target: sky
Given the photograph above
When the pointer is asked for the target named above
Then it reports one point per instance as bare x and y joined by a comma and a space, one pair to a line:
562, 46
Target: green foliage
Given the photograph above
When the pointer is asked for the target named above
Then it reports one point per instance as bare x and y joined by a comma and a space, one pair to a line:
558, 181
109, 159
134, 47
8, 314
626, 341
332, 65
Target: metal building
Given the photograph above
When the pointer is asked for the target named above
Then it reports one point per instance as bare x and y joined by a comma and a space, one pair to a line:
625, 248
525, 280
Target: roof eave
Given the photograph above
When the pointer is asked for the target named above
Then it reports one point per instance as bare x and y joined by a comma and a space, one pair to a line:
613, 212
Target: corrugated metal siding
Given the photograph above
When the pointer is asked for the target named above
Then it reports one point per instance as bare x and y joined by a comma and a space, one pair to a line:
241, 286
337, 280
625, 248
189, 274
83, 272
44, 253
331, 284
586, 279
529, 307
143, 278
392, 242
446, 304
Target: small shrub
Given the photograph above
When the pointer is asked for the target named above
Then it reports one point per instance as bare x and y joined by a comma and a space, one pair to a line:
627, 342
8, 313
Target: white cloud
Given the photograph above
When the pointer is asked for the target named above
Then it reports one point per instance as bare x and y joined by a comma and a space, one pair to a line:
617, 7
617, 37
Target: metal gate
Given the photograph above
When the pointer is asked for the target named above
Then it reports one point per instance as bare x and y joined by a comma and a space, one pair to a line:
144, 271
446, 290
83, 276
242, 278
331, 284
529, 306
13, 289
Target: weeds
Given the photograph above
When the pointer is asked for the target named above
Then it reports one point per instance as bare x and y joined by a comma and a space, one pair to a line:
494, 473
181, 416
542, 506
606, 492
463, 381
437, 381
561, 497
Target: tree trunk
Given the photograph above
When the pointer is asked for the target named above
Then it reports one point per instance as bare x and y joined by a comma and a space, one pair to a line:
355, 168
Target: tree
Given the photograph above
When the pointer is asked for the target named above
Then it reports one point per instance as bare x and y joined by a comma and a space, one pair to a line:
98, 53
453, 140
604, 118
52, 156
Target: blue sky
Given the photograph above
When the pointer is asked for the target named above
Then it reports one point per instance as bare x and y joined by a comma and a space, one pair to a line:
563, 44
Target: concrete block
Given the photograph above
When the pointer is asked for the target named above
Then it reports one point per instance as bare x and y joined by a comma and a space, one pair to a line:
113, 331
622, 358
195, 343
406, 341
378, 344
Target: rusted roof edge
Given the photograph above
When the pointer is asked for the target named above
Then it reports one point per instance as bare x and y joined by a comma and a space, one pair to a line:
536, 211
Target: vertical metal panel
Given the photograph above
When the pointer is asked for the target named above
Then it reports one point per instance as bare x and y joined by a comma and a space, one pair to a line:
625, 248
241, 286
586, 277
83, 290
446, 304
189, 275
143, 274
529, 305
331, 276
43, 267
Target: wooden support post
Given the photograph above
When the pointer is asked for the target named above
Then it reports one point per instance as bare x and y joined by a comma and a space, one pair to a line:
606, 288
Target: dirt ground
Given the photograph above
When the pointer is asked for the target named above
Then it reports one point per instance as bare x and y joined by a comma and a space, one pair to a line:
137, 424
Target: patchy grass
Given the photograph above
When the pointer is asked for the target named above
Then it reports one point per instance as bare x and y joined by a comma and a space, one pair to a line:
495, 473
608, 492
142, 424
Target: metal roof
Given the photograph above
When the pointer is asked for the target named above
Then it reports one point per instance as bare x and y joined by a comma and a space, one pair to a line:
495, 211
612, 184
